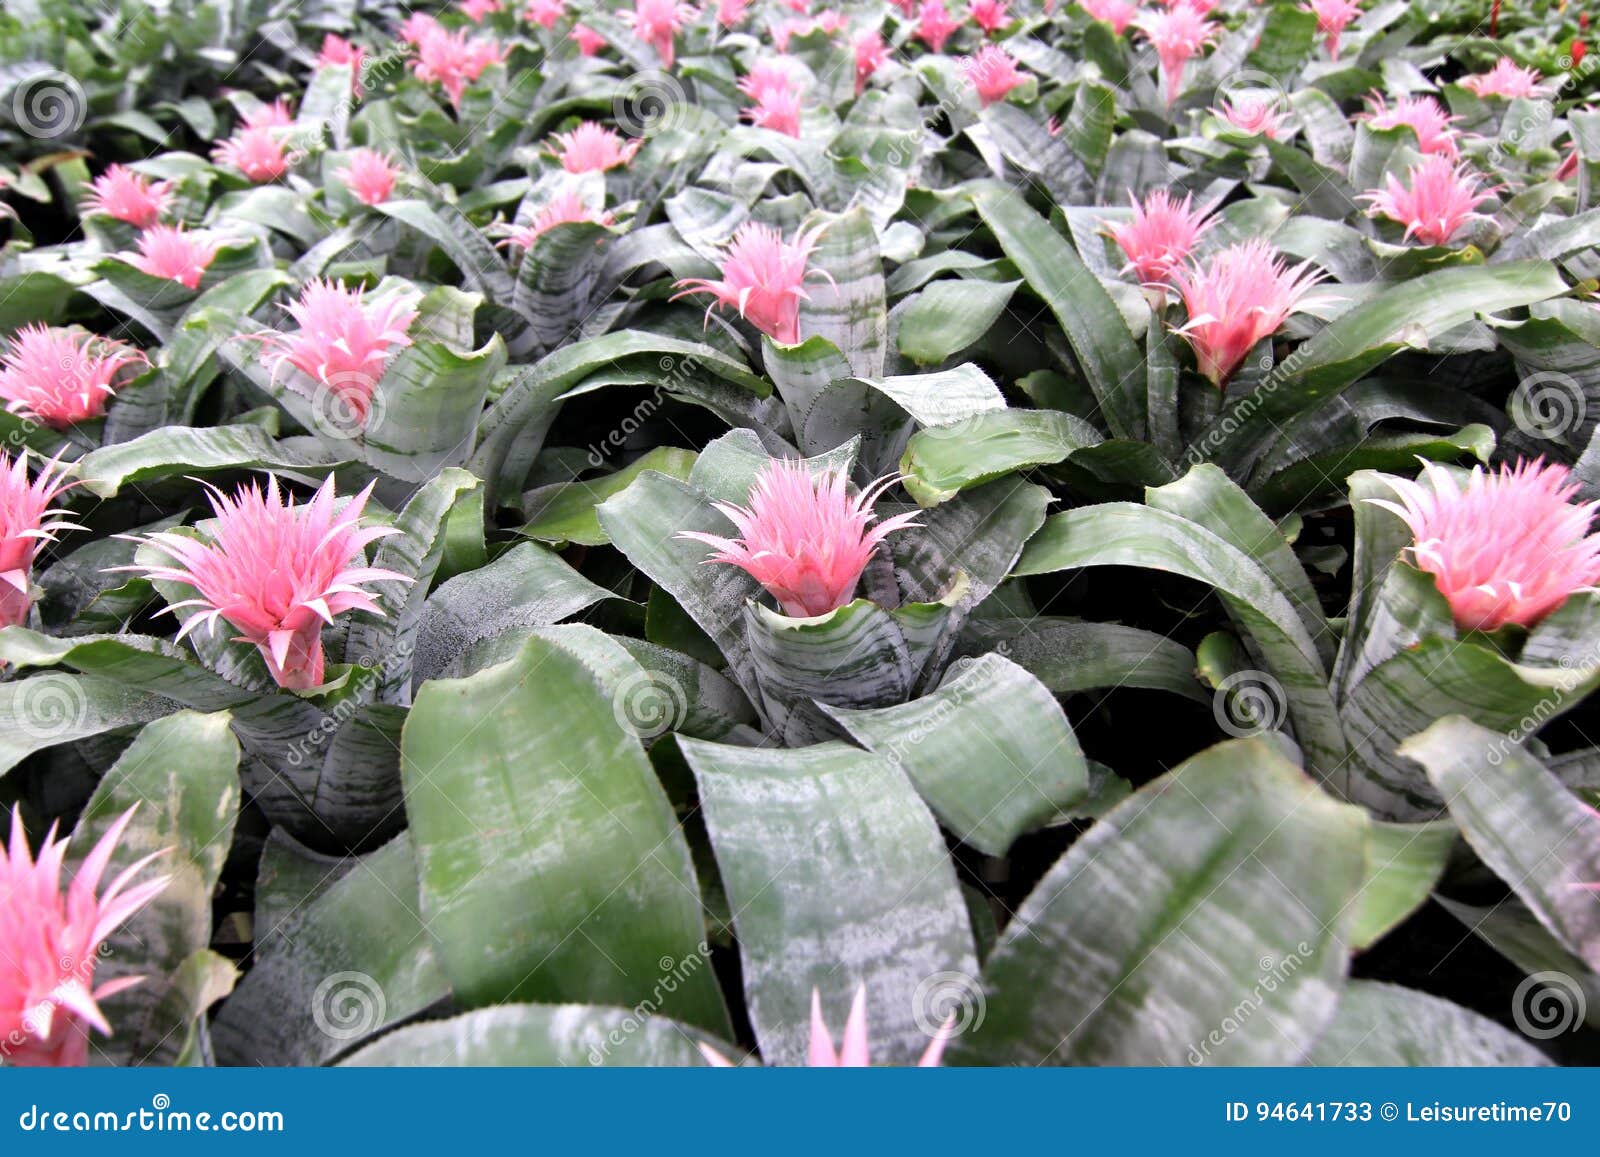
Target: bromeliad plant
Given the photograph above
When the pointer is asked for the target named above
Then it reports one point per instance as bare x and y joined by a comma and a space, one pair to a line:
628, 506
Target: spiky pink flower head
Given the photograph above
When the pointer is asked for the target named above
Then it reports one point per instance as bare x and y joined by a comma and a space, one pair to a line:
27, 522
1178, 34
269, 116
854, 1050
1257, 114
935, 25
454, 60
871, 53
657, 23
1438, 199
594, 148
477, 10
1333, 17
61, 376
122, 193
370, 176
1509, 80
564, 208
800, 6
343, 341
730, 12
258, 153
831, 21
777, 98
52, 940
589, 41
172, 252
336, 52
989, 15
763, 276
992, 73
786, 29
418, 26
1508, 548
1424, 116
803, 537
545, 13
276, 572
1567, 167
1240, 295
1161, 234
1117, 13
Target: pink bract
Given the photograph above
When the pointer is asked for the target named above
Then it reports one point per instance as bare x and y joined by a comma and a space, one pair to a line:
803, 537
854, 1051
275, 571
763, 277
1436, 201
122, 193
27, 522
1509, 547
52, 938
1160, 236
172, 252
61, 376
1238, 296
594, 148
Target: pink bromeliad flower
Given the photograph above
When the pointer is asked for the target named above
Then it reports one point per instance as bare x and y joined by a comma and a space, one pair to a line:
478, 10
417, 26
871, 53
1177, 34
122, 193
657, 23
776, 96
276, 572
258, 153
545, 13
1240, 295
1256, 114
992, 73
1117, 13
48, 1001
1509, 80
730, 12
1509, 548
336, 52
172, 252
1436, 201
594, 148
589, 41
1424, 116
61, 376
343, 341
935, 25
1333, 17
565, 207
27, 522
269, 116
370, 176
803, 537
763, 276
853, 1051
454, 60
989, 15
1161, 235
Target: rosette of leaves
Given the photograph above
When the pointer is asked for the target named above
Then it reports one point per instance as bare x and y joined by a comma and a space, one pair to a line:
883, 648
323, 763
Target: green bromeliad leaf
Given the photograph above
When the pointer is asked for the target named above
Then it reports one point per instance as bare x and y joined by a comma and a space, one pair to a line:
837, 877
941, 461
1230, 880
1537, 836
1384, 1025
503, 766
182, 774
990, 751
